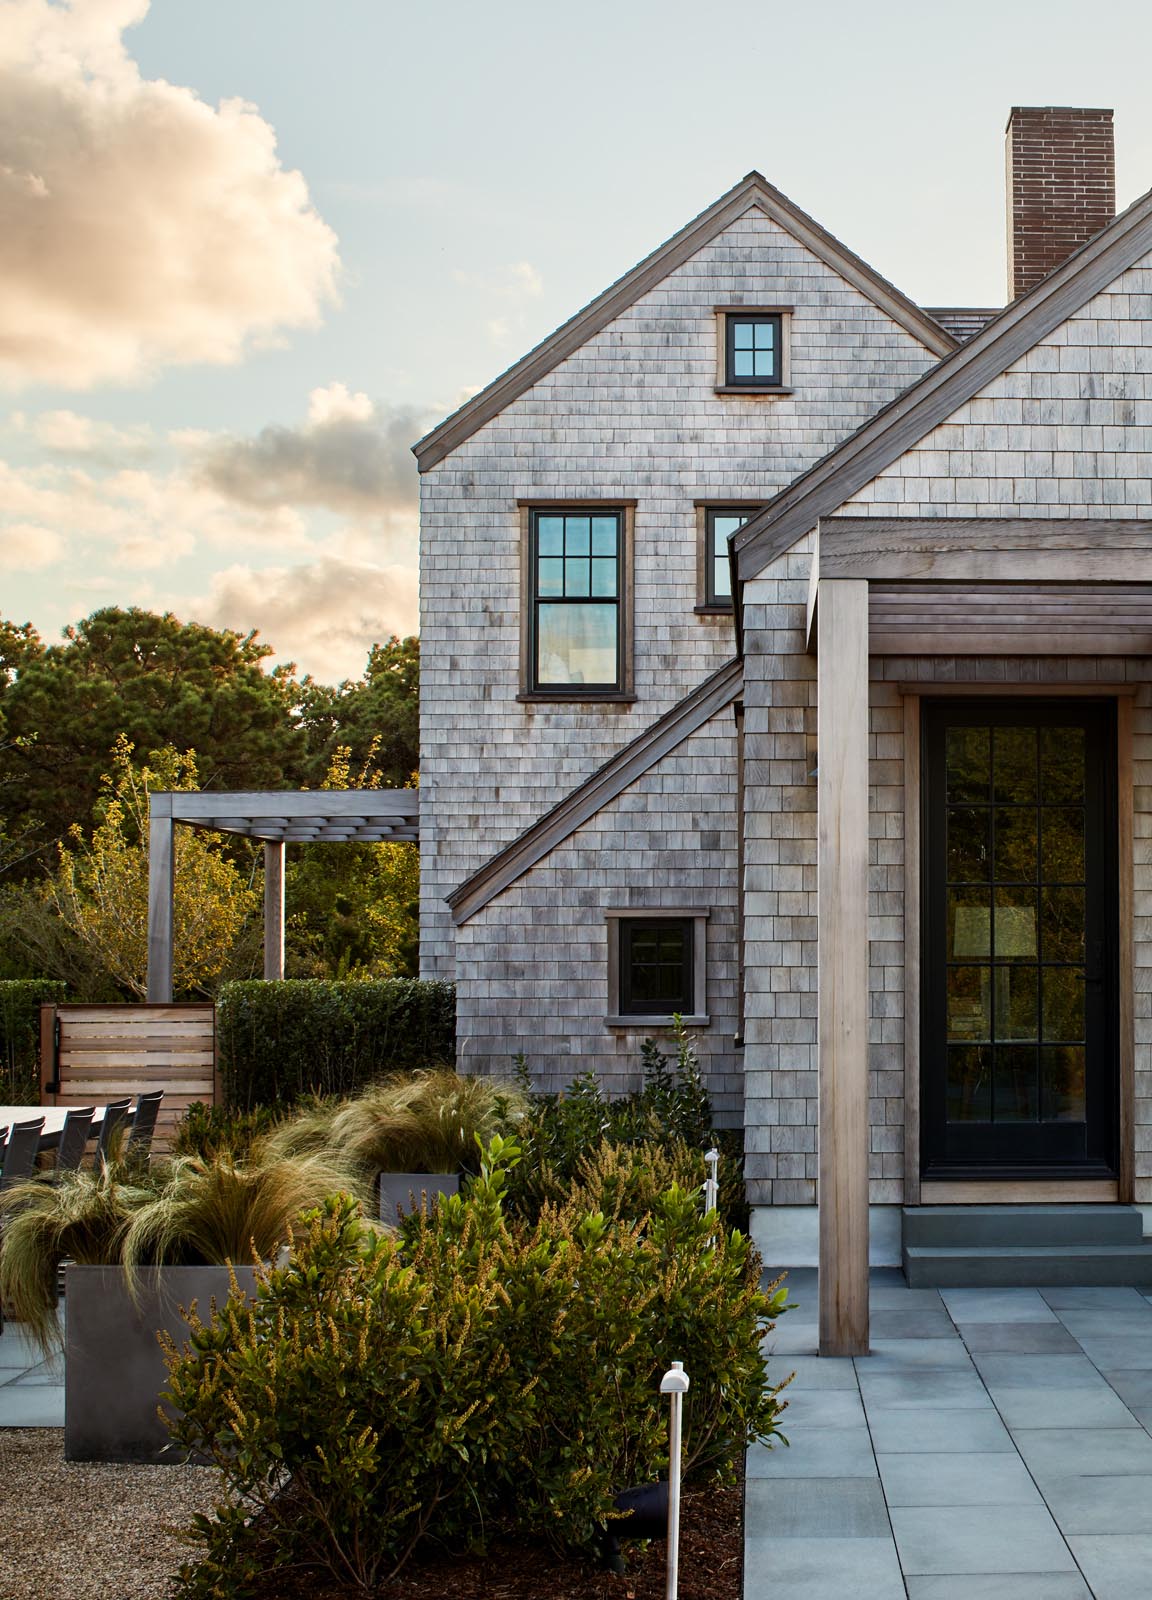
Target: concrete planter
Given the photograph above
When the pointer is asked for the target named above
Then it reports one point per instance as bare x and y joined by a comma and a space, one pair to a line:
407, 1189
114, 1368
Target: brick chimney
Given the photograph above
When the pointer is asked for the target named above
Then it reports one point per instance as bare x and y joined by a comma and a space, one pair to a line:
1061, 187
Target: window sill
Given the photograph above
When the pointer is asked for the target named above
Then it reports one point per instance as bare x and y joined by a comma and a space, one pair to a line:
619, 697
700, 1021
752, 388
713, 611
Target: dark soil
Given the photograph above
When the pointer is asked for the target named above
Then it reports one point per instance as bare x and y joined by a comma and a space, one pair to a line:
711, 1567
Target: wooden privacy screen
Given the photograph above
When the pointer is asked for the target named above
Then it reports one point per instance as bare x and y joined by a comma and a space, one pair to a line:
92, 1054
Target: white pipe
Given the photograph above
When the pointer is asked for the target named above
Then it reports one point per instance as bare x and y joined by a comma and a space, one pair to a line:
675, 1384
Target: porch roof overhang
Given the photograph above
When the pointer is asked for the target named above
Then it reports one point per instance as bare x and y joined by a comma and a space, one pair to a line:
992, 586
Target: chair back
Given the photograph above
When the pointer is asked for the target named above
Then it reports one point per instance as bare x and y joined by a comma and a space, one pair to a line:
74, 1138
20, 1151
144, 1122
115, 1116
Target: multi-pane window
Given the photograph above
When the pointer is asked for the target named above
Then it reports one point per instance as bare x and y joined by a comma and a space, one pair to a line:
575, 573
753, 347
657, 967
719, 523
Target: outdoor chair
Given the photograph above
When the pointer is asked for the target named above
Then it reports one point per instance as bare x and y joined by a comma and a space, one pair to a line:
19, 1158
144, 1122
115, 1116
74, 1138
19, 1155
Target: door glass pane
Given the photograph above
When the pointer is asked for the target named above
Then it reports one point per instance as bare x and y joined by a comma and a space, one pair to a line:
969, 918
1014, 760
1064, 1003
968, 844
1062, 924
1061, 765
969, 1083
1062, 848
1016, 1011
1015, 844
969, 1003
1016, 1097
1062, 1083
969, 752
577, 643
1015, 928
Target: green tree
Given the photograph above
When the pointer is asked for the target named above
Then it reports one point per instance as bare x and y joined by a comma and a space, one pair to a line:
156, 681
375, 719
99, 891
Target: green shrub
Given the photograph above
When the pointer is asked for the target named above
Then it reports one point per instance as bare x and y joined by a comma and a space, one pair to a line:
281, 1042
477, 1375
20, 1000
208, 1131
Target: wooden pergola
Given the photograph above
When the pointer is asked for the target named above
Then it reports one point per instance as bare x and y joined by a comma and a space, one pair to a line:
277, 816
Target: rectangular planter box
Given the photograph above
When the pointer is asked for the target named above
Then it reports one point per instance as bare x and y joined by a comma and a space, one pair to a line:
114, 1369
406, 1189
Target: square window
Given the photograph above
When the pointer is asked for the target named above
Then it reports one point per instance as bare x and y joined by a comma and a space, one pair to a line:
753, 348
657, 976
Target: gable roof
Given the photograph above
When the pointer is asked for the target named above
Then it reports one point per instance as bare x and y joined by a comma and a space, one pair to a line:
753, 191
597, 791
932, 398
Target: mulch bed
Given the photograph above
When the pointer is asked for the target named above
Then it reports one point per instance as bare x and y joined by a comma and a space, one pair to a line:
711, 1567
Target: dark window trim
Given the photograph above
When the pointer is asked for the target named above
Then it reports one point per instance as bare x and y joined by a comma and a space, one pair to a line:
733, 320
697, 1015
623, 692
708, 604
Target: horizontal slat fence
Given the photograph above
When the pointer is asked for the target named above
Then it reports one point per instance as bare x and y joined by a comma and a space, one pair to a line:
92, 1054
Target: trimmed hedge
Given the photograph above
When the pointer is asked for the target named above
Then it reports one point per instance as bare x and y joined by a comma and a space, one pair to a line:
20, 1000
279, 1042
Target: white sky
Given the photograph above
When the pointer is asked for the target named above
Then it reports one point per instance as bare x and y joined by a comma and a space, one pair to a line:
473, 175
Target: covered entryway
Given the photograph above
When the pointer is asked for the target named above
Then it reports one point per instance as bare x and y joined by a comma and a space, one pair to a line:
1019, 1061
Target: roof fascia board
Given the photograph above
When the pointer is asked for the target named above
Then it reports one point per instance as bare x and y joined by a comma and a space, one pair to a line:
752, 191
595, 792
942, 390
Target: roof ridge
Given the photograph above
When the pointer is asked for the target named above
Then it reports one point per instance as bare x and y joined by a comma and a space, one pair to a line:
601, 787
752, 190
939, 391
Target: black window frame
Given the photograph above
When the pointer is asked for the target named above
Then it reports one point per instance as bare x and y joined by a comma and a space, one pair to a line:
569, 691
632, 1007
735, 319
710, 599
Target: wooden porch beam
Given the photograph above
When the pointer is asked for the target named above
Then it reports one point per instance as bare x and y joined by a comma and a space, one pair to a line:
842, 904
161, 869
274, 909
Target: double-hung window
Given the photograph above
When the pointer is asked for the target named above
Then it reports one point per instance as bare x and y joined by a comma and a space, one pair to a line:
576, 599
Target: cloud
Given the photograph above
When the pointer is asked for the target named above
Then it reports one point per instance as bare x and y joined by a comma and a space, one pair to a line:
67, 433
141, 226
349, 456
25, 547
329, 611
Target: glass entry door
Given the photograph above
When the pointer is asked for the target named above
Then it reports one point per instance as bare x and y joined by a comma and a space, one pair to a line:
1019, 1007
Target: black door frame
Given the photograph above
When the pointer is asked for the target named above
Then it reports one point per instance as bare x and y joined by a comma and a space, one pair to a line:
1098, 1157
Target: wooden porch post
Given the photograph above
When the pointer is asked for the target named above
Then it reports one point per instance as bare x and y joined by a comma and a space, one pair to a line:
274, 908
161, 866
842, 904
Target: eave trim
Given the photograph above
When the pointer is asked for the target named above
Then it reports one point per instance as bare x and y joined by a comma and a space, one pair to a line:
942, 390
597, 791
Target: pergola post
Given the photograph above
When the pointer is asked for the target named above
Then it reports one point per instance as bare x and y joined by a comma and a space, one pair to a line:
161, 868
274, 908
842, 905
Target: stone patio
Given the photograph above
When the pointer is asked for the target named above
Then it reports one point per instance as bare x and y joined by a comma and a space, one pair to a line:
994, 1446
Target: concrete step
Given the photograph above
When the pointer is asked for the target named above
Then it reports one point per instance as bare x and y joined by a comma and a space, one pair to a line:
1057, 1226
1027, 1266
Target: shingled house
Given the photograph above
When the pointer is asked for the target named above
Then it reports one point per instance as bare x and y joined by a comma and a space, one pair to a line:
787, 664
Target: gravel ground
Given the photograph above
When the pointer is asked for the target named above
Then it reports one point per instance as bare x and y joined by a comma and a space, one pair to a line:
85, 1528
